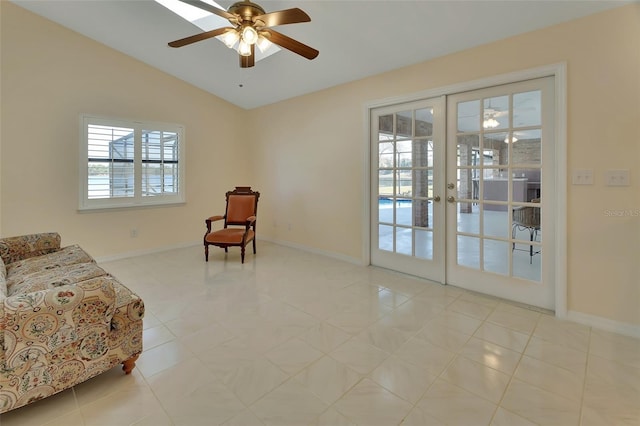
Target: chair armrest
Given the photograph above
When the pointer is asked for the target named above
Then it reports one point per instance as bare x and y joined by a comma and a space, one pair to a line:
13, 249
212, 219
251, 220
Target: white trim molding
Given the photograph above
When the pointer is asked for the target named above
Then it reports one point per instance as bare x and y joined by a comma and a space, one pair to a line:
605, 324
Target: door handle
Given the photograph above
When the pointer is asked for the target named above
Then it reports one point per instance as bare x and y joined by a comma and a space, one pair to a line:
436, 198
451, 199
451, 186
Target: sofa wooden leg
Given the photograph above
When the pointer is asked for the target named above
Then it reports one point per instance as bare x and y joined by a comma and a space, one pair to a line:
129, 364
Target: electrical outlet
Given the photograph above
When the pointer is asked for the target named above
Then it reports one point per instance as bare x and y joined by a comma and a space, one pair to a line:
617, 177
582, 177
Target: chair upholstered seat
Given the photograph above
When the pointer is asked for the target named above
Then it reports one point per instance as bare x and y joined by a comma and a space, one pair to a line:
229, 236
239, 222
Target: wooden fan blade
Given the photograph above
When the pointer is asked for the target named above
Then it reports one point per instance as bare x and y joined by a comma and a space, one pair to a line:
293, 45
282, 17
199, 37
248, 61
205, 6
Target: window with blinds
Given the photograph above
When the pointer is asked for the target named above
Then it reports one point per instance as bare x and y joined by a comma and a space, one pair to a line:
130, 163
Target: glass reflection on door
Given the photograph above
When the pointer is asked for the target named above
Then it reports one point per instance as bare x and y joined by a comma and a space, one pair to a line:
405, 183
498, 171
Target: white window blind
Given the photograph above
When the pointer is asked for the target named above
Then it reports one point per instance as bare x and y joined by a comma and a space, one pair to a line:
130, 163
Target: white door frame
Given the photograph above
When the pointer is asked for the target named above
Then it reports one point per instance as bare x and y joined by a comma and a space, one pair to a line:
559, 72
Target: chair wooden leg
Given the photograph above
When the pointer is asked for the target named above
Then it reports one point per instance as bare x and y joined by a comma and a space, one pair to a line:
206, 252
242, 254
254, 246
129, 364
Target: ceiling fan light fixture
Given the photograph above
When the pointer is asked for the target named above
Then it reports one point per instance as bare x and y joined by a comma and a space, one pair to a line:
230, 38
263, 43
490, 123
249, 34
244, 49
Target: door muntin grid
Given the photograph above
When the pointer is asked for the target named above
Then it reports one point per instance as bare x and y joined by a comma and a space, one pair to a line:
498, 172
405, 182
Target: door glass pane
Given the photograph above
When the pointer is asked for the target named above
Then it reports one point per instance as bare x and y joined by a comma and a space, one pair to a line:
385, 127
495, 223
404, 150
385, 210
527, 148
385, 237
527, 109
404, 243
469, 251
496, 256
496, 113
465, 184
468, 147
423, 183
468, 221
527, 235
469, 116
495, 186
404, 125
422, 213
385, 155
405, 183
496, 149
424, 244
385, 183
423, 153
424, 122
404, 212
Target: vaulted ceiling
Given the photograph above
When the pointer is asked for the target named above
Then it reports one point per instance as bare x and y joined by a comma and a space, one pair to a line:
356, 38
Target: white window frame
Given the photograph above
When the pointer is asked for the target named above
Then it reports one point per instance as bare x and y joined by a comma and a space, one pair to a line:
137, 200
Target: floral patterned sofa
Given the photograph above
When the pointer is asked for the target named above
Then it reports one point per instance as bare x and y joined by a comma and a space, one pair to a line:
63, 319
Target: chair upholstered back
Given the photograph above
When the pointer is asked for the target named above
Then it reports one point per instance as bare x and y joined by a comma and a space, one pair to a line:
240, 207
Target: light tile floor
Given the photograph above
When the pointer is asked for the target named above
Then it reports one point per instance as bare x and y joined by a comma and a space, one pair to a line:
293, 338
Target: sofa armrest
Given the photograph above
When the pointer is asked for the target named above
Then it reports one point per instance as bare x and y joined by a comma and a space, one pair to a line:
13, 249
43, 325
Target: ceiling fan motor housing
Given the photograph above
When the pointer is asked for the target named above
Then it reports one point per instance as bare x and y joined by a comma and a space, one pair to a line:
246, 10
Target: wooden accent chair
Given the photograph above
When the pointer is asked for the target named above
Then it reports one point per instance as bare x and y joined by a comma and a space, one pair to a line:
239, 222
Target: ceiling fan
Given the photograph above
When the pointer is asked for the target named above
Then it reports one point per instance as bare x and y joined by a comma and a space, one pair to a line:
251, 27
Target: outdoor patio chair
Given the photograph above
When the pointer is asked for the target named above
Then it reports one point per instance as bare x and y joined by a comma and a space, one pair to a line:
526, 218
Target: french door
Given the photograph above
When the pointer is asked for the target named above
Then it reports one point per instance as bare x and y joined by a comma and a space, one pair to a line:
407, 165
460, 190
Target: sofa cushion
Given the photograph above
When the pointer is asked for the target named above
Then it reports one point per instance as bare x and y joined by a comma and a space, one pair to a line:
53, 277
66, 256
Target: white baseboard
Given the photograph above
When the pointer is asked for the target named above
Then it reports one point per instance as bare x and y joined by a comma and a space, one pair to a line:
604, 324
128, 254
313, 250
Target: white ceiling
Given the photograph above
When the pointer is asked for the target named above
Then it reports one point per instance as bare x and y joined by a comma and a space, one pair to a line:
356, 38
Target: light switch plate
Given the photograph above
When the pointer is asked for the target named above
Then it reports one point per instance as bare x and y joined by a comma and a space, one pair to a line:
582, 177
617, 177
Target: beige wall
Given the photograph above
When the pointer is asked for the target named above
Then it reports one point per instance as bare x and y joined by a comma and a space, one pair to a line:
309, 152
51, 75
